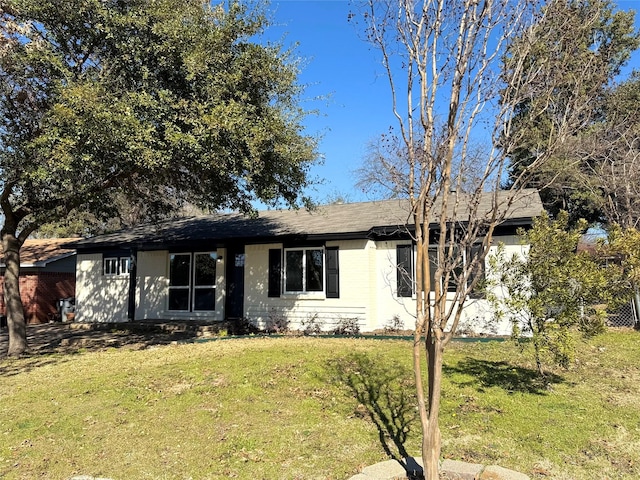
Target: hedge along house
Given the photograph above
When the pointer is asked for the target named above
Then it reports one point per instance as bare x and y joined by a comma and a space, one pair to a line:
47, 275
338, 262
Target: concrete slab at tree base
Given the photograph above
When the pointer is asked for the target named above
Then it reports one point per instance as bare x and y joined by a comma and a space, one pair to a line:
494, 472
391, 470
456, 470
411, 469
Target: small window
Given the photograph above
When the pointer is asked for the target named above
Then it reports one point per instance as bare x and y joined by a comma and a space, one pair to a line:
116, 266
111, 266
124, 265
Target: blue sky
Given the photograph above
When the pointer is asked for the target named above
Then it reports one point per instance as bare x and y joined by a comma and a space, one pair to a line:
346, 84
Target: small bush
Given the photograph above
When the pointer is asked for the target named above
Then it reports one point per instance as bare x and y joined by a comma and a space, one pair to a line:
312, 325
395, 325
347, 326
243, 326
276, 323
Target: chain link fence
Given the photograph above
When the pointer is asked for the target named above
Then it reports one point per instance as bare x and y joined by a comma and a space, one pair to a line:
625, 316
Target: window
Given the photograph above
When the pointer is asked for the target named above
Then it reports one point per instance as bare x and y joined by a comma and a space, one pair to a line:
405, 261
179, 274
124, 265
405, 271
192, 281
111, 266
479, 272
304, 270
455, 273
204, 282
116, 266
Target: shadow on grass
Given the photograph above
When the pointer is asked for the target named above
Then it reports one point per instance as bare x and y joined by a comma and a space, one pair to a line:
385, 394
502, 374
54, 343
15, 366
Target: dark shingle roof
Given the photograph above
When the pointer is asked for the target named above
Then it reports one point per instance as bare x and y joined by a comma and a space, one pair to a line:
351, 220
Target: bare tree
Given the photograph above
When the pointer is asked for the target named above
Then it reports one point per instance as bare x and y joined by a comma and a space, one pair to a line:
458, 77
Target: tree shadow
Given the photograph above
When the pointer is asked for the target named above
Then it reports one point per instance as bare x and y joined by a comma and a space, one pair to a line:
385, 394
55, 343
502, 374
15, 366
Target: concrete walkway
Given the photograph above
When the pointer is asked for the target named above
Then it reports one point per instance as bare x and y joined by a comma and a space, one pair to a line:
411, 468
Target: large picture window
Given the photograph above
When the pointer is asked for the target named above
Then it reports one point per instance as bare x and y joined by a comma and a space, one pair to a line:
192, 281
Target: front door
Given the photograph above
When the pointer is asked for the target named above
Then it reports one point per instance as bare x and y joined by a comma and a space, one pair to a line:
234, 305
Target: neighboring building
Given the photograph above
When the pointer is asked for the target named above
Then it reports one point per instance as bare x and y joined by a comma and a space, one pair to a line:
334, 263
47, 275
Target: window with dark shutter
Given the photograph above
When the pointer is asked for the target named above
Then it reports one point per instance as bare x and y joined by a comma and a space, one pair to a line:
333, 274
275, 267
404, 260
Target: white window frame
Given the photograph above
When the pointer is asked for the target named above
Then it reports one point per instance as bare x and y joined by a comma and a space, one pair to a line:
179, 287
195, 287
116, 266
191, 287
304, 290
124, 265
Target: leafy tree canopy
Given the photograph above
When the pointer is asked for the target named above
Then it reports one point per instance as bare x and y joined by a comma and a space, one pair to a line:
579, 47
551, 291
161, 100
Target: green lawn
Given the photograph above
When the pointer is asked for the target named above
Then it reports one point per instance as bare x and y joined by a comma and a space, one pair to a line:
309, 408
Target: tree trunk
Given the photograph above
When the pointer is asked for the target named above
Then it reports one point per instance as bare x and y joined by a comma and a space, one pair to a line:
431, 439
13, 302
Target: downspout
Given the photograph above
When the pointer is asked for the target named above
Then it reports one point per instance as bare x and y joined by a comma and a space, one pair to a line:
133, 269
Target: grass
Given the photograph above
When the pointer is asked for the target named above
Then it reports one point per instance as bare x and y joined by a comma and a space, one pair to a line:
305, 408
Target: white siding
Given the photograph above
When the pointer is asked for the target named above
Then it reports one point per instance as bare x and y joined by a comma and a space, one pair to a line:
388, 302
99, 298
354, 301
477, 316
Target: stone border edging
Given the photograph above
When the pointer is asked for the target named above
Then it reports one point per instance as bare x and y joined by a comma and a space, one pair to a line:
451, 469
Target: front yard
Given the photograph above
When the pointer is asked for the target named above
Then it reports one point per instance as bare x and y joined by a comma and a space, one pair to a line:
310, 408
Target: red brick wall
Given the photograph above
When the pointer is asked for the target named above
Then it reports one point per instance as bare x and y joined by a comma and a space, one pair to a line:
40, 293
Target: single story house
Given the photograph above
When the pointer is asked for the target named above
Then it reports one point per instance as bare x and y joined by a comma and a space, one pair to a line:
47, 275
336, 262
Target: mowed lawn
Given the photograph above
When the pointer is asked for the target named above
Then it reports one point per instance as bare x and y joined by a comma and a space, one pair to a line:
313, 408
